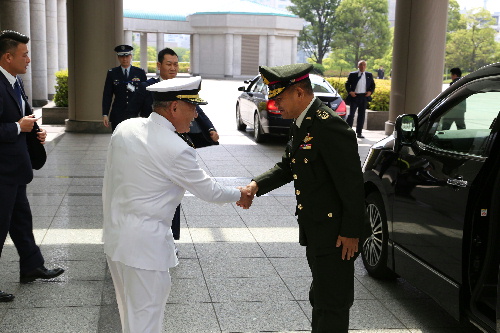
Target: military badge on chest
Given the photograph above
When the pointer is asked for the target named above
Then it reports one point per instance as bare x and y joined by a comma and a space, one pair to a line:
306, 142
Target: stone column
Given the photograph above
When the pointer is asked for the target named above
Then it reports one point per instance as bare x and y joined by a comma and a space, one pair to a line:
144, 51
38, 52
62, 35
195, 54
228, 61
271, 41
418, 56
236, 55
15, 15
127, 37
90, 55
160, 42
52, 47
294, 49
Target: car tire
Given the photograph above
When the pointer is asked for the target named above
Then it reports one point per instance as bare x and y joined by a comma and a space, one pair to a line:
240, 125
257, 131
375, 246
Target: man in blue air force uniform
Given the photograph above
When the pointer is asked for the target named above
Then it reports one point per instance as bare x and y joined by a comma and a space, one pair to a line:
121, 83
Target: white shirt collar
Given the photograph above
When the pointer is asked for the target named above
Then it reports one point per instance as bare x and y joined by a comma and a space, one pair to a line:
300, 118
10, 78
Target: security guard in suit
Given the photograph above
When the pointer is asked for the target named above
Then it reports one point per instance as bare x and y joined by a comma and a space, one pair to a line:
322, 159
121, 82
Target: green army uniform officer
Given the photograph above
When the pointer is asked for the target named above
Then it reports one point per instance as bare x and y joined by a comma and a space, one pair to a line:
322, 159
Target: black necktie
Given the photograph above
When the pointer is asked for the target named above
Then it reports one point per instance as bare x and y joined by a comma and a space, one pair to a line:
126, 73
17, 90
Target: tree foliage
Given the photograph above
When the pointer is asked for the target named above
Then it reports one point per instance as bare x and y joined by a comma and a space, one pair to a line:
472, 45
315, 38
362, 29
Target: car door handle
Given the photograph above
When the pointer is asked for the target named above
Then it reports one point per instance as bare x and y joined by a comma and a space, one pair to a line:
457, 181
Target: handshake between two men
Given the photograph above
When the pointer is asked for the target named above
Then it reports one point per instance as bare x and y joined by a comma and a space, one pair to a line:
247, 194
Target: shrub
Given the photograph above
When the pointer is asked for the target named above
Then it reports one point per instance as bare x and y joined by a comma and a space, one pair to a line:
380, 99
61, 96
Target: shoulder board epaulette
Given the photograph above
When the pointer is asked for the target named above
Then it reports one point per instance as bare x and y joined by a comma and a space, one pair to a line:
322, 114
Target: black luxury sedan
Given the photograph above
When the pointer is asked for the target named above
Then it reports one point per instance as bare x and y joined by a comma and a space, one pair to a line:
254, 109
433, 200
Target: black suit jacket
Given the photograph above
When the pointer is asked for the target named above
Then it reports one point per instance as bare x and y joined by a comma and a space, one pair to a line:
142, 105
15, 163
352, 82
116, 85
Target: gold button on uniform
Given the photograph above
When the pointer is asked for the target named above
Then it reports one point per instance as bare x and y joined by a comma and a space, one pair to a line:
306, 160
294, 176
299, 206
297, 192
330, 214
293, 160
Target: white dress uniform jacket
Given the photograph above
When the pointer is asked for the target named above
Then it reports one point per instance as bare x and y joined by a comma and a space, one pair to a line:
148, 169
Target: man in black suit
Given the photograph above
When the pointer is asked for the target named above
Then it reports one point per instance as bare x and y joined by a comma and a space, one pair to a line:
122, 83
360, 86
16, 121
202, 132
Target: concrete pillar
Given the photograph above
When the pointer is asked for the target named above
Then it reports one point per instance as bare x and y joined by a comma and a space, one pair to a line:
195, 54
237, 55
160, 42
294, 50
127, 37
52, 47
90, 56
38, 52
263, 50
144, 51
271, 41
62, 35
15, 15
228, 59
418, 56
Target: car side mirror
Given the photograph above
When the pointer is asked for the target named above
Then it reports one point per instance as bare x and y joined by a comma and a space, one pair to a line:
242, 88
405, 130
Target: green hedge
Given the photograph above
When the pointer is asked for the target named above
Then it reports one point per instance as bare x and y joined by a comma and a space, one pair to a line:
183, 66
61, 96
380, 99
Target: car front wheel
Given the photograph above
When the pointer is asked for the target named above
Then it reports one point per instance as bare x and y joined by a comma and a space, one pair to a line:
375, 248
240, 125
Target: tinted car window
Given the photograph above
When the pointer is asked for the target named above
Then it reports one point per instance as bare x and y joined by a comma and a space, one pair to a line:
466, 124
321, 86
258, 85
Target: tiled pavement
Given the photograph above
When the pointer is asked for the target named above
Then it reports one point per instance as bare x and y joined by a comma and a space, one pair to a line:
240, 270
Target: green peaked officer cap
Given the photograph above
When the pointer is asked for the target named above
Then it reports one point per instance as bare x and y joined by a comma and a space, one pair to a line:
278, 78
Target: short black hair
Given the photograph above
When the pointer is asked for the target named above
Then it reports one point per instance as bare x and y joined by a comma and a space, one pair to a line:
456, 71
166, 50
9, 40
306, 85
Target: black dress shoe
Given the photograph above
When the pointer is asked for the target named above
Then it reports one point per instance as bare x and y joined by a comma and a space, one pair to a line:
360, 136
41, 273
4, 297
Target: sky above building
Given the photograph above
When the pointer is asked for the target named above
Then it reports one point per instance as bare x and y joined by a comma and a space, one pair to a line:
491, 5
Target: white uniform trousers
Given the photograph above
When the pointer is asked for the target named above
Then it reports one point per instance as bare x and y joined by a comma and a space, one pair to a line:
141, 296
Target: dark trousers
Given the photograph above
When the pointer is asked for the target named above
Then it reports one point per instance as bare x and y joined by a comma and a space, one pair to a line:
358, 103
332, 291
16, 220
176, 223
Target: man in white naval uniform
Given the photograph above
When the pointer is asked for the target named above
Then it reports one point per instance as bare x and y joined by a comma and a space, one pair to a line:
149, 167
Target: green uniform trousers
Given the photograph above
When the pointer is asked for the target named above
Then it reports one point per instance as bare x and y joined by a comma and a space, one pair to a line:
332, 291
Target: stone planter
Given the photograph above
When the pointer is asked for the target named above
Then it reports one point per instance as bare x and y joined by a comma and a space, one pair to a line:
374, 120
53, 115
